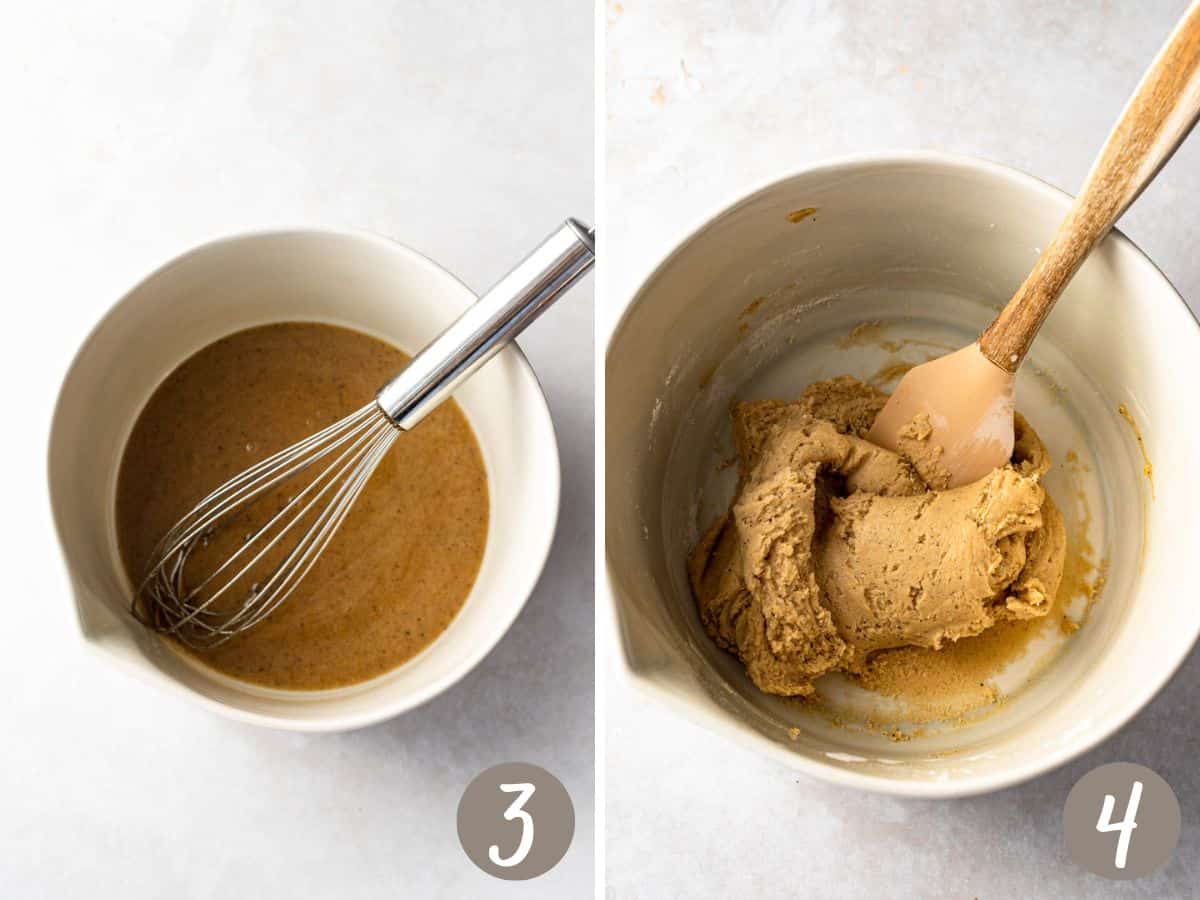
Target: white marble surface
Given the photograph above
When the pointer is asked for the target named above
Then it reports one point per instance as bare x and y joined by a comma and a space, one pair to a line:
704, 99
135, 130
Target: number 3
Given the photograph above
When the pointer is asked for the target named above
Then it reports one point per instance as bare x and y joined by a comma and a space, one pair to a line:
516, 811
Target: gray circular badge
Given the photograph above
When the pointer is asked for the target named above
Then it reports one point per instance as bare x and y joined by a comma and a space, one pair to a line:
1121, 821
515, 821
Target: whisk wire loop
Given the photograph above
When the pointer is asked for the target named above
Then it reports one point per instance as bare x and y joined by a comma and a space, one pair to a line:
167, 602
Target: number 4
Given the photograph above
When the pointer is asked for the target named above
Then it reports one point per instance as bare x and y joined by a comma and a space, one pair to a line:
1125, 826
516, 810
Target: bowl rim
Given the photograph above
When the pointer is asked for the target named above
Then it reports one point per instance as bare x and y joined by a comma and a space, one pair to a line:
968, 785
539, 546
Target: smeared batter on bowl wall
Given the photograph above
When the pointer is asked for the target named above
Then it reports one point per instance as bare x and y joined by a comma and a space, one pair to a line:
835, 551
403, 562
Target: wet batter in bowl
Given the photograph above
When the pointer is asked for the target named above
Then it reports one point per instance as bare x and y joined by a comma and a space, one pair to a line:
404, 560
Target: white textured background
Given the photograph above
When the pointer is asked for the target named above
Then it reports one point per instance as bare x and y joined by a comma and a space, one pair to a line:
134, 130
707, 98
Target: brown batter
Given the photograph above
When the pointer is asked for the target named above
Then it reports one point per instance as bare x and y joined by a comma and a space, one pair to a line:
835, 549
405, 558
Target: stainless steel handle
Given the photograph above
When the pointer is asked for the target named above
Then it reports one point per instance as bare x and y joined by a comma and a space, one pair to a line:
486, 328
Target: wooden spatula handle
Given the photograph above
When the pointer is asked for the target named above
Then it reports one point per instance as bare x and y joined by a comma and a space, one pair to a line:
1156, 120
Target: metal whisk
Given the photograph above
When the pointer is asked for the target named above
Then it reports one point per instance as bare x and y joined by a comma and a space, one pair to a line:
208, 611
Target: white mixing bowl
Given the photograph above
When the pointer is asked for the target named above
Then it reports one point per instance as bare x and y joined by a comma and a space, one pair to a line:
752, 304
356, 280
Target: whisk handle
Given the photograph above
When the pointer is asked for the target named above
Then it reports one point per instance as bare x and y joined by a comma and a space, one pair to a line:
491, 322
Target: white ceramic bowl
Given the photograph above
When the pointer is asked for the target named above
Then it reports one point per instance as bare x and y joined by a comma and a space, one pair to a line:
930, 245
356, 280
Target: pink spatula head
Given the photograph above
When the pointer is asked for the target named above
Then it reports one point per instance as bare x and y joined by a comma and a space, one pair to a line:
960, 407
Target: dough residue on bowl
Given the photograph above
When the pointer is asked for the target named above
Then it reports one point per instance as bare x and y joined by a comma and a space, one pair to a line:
834, 551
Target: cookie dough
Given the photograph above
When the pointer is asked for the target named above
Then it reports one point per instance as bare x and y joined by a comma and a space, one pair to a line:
834, 548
